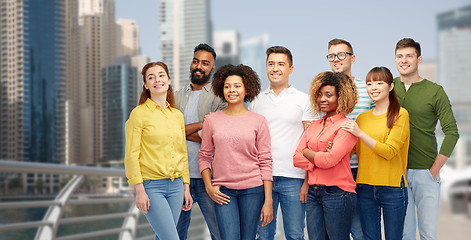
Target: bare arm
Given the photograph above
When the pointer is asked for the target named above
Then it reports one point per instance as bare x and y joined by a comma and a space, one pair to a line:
266, 216
195, 137
213, 190
142, 200
304, 189
193, 128
437, 165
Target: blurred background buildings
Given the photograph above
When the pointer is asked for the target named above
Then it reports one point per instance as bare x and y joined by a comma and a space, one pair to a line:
70, 72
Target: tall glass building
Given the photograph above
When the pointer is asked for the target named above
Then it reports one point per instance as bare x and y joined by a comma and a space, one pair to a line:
119, 99
32, 75
183, 25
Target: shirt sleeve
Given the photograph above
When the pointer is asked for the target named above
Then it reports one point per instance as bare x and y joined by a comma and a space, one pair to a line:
207, 146
396, 138
133, 132
308, 113
447, 122
299, 160
342, 145
186, 171
263, 144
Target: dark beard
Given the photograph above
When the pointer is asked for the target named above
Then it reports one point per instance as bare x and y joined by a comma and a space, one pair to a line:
199, 81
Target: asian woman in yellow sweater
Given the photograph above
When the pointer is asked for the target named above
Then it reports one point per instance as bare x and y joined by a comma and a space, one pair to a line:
383, 143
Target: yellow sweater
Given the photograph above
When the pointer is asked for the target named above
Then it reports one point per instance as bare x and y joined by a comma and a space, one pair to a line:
386, 163
155, 144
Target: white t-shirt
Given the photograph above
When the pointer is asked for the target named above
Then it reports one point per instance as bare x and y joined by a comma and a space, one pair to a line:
284, 113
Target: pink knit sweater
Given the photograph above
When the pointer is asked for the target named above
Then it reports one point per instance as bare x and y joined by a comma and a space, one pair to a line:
241, 149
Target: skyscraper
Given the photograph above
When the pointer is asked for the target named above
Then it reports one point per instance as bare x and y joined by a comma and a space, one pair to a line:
252, 53
227, 46
32, 78
119, 98
454, 46
183, 25
97, 19
128, 38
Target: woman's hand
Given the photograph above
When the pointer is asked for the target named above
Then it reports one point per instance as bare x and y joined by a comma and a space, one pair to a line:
352, 127
266, 216
217, 196
142, 200
303, 192
187, 199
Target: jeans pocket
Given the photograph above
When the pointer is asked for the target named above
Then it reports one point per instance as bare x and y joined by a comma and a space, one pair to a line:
437, 180
333, 191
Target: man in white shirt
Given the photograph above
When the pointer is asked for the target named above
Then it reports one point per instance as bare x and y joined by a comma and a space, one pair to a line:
287, 112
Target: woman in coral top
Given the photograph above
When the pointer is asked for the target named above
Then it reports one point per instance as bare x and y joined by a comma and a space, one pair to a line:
324, 151
382, 148
235, 150
156, 160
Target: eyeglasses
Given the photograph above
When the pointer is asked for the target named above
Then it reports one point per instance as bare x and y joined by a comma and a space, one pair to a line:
340, 56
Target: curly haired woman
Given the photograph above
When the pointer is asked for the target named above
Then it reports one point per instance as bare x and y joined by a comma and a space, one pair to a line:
324, 151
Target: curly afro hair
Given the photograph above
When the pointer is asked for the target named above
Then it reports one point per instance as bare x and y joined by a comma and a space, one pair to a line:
249, 77
345, 89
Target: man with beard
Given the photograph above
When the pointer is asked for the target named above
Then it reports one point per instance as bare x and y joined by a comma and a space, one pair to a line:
196, 101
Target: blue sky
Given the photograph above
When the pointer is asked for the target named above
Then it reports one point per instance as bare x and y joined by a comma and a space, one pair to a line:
373, 27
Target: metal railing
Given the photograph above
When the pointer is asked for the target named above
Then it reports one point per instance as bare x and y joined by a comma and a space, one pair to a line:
47, 228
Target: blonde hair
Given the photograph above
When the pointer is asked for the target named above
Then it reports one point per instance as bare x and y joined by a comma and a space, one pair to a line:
345, 89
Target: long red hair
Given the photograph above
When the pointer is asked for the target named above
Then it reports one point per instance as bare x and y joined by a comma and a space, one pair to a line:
383, 74
145, 94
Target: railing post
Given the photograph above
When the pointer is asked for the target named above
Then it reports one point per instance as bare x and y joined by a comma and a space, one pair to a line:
130, 222
54, 213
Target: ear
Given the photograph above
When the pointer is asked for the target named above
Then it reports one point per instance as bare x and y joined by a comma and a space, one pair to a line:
145, 86
353, 58
391, 87
419, 59
291, 69
214, 67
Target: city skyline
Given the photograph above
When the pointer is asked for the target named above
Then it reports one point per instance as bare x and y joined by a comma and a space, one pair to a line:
294, 26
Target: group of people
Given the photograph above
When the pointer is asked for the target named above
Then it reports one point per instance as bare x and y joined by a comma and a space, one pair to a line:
338, 159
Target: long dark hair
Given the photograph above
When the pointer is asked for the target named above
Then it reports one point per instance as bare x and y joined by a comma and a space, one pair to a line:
145, 94
383, 74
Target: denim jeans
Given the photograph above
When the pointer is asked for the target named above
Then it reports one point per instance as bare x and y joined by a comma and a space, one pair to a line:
424, 197
356, 230
392, 201
200, 196
329, 213
286, 193
239, 219
166, 200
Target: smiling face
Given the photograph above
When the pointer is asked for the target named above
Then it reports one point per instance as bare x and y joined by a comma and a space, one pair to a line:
278, 70
407, 62
201, 67
156, 81
234, 90
342, 66
327, 100
379, 90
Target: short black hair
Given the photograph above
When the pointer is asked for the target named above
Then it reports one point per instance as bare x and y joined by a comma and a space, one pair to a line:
205, 47
249, 78
283, 50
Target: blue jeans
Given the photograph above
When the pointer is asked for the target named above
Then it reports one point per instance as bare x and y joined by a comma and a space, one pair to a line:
200, 196
166, 200
329, 213
356, 230
424, 197
393, 202
239, 219
286, 193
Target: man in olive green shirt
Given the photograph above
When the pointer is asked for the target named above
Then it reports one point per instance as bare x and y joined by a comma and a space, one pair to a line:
426, 103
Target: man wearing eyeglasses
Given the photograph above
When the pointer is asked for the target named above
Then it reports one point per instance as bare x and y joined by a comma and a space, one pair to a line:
341, 58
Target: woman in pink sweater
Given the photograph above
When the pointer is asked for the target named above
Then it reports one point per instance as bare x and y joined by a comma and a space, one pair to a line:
235, 151
324, 151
